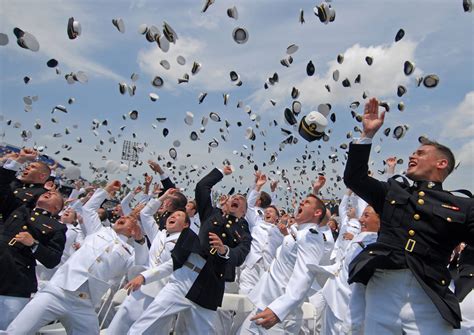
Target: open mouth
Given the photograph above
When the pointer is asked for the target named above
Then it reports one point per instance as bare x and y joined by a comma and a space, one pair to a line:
234, 205
411, 164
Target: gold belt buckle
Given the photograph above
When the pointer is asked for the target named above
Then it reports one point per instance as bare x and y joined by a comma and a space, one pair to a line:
213, 251
12, 242
410, 245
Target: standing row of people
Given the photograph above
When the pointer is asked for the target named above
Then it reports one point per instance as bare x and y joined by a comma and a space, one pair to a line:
385, 272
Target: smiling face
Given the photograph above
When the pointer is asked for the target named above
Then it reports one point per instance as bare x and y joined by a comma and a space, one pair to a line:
426, 163
309, 211
271, 215
51, 201
35, 173
69, 216
126, 225
237, 205
176, 222
369, 221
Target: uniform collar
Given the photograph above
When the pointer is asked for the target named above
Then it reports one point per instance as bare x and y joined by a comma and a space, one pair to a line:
426, 184
42, 211
304, 226
172, 237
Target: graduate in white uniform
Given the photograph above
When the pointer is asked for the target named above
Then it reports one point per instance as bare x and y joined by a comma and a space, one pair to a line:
281, 292
77, 287
160, 252
337, 292
265, 236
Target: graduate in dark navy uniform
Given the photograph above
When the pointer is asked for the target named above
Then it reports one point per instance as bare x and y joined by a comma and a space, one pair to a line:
201, 264
406, 269
26, 236
29, 184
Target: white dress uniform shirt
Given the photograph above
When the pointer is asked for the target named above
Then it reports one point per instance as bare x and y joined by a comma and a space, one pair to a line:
126, 201
254, 214
337, 291
161, 247
310, 248
284, 287
347, 226
160, 252
104, 257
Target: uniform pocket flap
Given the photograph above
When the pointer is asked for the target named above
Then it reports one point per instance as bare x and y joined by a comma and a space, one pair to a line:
449, 215
397, 198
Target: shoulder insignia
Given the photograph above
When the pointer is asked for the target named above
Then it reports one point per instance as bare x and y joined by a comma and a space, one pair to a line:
464, 192
314, 231
361, 244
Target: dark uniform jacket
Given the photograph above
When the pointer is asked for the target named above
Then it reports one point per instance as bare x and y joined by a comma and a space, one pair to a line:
420, 227
464, 283
208, 288
17, 261
24, 194
167, 183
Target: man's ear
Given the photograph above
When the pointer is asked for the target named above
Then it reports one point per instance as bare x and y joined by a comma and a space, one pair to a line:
442, 163
318, 213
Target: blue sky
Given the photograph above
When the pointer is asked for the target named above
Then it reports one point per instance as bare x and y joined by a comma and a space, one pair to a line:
438, 40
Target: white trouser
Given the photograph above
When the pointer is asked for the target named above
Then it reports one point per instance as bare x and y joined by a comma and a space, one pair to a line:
288, 326
9, 309
396, 302
53, 303
331, 324
129, 311
467, 312
172, 300
250, 276
319, 303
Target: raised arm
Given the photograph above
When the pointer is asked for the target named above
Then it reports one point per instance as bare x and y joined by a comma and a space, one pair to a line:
125, 203
166, 182
149, 225
90, 216
356, 172
203, 191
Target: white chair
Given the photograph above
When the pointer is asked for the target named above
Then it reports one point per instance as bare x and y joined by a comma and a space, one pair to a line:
236, 302
52, 329
119, 296
309, 313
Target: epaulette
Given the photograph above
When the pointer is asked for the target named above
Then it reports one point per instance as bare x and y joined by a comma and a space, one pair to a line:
465, 192
404, 181
361, 244
314, 231
324, 238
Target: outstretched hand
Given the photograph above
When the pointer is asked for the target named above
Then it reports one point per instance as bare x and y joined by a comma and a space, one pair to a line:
372, 121
318, 184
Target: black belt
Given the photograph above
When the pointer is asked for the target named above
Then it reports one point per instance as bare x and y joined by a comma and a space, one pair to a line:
192, 267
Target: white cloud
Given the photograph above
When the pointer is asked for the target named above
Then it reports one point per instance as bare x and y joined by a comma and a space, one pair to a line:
381, 79
49, 27
461, 122
466, 154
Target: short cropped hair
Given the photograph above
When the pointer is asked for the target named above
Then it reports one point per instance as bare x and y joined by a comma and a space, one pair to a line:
443, 150
178, 200
319, 205
265, 200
